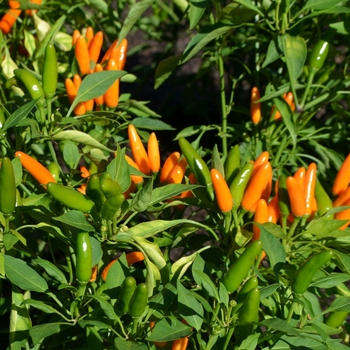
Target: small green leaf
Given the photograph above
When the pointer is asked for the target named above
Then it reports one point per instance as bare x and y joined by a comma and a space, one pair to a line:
76, 219
164, 69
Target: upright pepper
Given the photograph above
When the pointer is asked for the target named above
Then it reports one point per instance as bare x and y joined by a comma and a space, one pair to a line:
83, 257
222, 191
37, 170
50, 71
299, 176
139, 300
249, 311
93, 191
138, 150
7, 187
168, 166
273, 210
153, 153
255, 107
232, 163
197, 166
136, 179
178, 172
309, 190
296, 197
125, 295
81, 53
96, 46
324, 203
240, 268
318, 56
344, 215
111, 96
260, 216
342, 178
307, 270
111, 206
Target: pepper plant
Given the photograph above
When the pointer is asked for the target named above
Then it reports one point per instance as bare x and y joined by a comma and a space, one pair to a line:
110, 241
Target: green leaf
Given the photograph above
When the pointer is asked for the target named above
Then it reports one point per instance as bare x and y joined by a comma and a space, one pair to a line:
116, 274
280, 325
197, 9
76, 219
52, 270
80, 137
119, 170
295, 52
24, 276
223, 294
330, 281
139, 108
151, 124
123, 344
320, 4
50, 35
169, 329
250, 343
134, 14
100, 5
9, 240
341, 303
216, 161
200, 40
268, 290
164, 69
273, 248
142, 198
248, 4
71, 154
163, 193
287, 116
190, 308
106, 307
323, 228
20, 114
43, 331
42, 306
273, 53
95, 85
204, 281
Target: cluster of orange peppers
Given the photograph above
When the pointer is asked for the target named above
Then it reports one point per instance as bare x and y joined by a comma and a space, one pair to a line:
255, 106
9, 18
87, 50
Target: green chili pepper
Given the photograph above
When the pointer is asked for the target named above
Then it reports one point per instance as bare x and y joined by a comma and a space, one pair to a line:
318, 56
324, 203
109, 187
249, 311
83, 253
70, 197
2, 118
197, 165
126, 292
252, 283
307, 270
283, 197
50, 72
54, 170
336, 318
240, 268
7, 187
139, 300
239, 184
232, 163
110, 207
18, 198
31, 83
93, 191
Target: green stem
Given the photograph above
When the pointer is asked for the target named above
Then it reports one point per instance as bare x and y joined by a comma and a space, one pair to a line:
223, 106
307, 89
135, 324
280, 151
215, 313
81, 290
293, 227
228, 337
212, 340
291, 312
227, 222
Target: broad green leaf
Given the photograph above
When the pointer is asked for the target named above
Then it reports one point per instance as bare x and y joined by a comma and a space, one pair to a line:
323, 228
24, 276
116, 274
312, 306
320, 4
94, 85
280, 325
71, 154
200, 40
273, 248
341, 303
169, 329
197, 9
100, 5
80, 137
29, 42
123, 344
164, 299
9, 240
42, 306
273, 53
106, 307
249, 4
330, 281
119, 170
295, 52
163, 193
151, 124
287, 116
268, 290
164, 69
250, 343
51, 270
43, 331
20, 114
142, 198
301, 342
140, 109
189, 307
76, 219
134, 14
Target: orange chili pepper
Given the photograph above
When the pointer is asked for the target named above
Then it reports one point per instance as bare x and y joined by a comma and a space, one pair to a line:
138, 150
344, 215
119, 54
255, 188
309, 190
342, 198
342, 178
180, 344
178, 172
89, 105
82, 189
255, 107
136, 179
96, 46
266, 193
296, 197
261, 216
299, 175
77, 81
9, 19
76, 34
289, 99
37, 170
153, 153
273, 210
93, 274
82, 55
131, 259
72, 91
168, 166
222, 191
107, 55
30, 12
99, 100
111, 96
263, 158
89, 35
84, 172
14, 4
